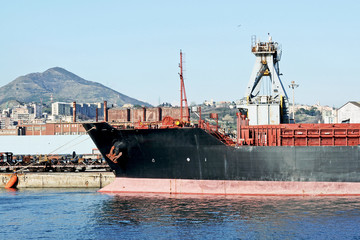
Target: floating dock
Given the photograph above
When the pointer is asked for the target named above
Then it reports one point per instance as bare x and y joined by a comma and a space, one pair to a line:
60, 180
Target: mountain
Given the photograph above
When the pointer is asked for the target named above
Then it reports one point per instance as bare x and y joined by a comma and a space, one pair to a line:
63, 86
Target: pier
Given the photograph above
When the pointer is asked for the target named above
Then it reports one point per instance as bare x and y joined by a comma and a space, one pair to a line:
60, 180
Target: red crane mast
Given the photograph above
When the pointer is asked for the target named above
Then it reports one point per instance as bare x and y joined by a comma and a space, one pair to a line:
183, 99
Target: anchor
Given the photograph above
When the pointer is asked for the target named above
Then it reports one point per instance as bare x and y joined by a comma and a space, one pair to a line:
112, 156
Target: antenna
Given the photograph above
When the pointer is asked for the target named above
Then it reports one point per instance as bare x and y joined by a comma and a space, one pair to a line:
293, 85
183, 98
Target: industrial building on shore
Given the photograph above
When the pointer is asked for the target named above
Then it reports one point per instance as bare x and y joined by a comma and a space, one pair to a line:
66, 118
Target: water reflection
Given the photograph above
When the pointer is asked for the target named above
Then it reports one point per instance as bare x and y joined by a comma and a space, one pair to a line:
86, 214
261, 217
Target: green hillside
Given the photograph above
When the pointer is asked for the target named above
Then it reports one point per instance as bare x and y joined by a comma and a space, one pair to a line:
63, 86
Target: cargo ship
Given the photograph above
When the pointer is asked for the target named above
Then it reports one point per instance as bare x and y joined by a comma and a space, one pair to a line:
270, 155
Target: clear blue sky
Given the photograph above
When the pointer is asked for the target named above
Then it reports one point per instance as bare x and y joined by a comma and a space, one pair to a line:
133, 46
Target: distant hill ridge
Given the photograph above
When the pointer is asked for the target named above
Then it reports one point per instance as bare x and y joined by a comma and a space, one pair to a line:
64, 86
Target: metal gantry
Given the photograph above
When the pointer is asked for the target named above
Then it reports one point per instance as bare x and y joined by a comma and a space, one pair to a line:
265, 91
268, 55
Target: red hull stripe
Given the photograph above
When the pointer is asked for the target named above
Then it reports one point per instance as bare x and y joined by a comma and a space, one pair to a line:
227, 187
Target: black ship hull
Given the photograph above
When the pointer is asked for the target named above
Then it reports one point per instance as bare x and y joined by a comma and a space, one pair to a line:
189, 155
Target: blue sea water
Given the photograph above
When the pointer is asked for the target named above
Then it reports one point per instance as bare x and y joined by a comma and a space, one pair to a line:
87, 214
